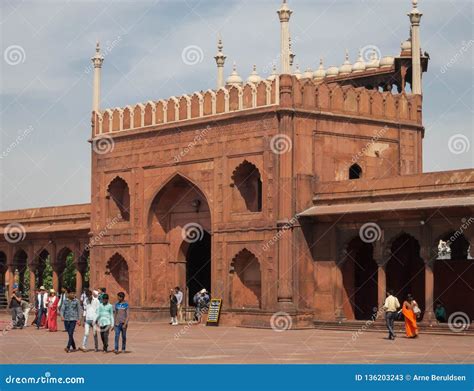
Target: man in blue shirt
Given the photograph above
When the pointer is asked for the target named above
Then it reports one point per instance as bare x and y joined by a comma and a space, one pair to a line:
120, 321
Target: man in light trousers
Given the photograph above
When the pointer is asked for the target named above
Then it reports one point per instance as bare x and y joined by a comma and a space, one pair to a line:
91, 303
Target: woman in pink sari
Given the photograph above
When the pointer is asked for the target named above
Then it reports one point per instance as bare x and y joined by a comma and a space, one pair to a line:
408, 312
53, 300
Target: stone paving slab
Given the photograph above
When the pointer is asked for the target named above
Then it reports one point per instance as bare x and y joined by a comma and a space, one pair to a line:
162, 343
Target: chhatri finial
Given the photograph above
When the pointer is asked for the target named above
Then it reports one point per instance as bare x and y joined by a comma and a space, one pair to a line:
234, 78
347, 55
98, 59
320, 73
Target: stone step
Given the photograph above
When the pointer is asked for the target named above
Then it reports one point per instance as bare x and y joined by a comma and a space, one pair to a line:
379, 326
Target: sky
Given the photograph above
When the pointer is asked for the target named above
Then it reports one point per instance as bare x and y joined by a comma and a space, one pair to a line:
46, 72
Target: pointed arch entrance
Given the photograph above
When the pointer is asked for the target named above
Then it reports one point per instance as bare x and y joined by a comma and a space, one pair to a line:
405, 269
360, 280
179, 240
198, 266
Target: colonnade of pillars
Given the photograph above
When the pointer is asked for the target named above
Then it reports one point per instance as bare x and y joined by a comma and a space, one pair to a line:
33, 266
382, 288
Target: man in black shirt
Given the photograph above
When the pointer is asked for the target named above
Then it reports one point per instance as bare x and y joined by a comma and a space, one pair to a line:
17, 313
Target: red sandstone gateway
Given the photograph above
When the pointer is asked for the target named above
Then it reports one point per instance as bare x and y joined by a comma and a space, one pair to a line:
298, 194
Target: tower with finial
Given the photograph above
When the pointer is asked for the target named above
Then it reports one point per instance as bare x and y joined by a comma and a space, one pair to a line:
97, 61
284, 14
415, 17
220, 60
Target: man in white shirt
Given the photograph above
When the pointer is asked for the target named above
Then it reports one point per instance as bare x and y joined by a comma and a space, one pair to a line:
391, 306
91, 303
179, 298
41, 305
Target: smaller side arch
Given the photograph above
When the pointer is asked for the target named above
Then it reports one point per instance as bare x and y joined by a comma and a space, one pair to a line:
117, 271
245, 270
118, 196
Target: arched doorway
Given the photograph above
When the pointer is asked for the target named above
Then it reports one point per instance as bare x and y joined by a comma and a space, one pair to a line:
44, 271
454, 274
20, 267
360, 279
198, 266
178, 241
405, 269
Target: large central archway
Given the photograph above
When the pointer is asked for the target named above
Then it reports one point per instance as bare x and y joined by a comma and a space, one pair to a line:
405, 269
179, 241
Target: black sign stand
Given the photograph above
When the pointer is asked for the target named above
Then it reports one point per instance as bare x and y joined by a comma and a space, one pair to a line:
214, 312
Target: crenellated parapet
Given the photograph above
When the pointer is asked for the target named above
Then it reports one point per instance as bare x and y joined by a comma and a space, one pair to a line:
356, 101
186, 107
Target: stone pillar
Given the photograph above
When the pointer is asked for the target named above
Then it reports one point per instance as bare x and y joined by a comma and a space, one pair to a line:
429, 292
381, 284
284, 158
339, 288
381, 257
54, 266
97, 60
220, 60
33, 269
284, 14
78, 282
10, 279
415, 17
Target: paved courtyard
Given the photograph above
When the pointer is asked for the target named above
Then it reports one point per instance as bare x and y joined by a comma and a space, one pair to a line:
162, 343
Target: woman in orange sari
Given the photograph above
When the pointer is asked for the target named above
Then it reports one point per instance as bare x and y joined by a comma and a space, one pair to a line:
53, 300
411, 328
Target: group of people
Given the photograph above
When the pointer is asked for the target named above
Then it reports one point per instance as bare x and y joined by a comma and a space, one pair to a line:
410, 311
201, 302
92, 310
46, 306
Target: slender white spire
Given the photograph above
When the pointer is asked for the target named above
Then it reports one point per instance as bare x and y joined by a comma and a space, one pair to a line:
284, 14
220, 60
415, 17
97, 60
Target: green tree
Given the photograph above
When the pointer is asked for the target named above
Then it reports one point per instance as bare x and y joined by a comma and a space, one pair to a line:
69, 274
48, 274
